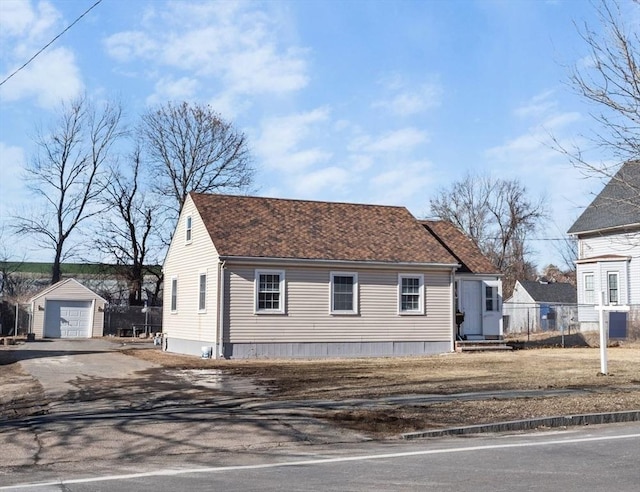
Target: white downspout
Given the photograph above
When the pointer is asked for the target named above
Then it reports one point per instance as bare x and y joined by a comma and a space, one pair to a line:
220, 308
454, 329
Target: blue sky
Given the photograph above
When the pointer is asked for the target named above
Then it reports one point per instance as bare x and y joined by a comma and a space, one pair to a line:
360, 101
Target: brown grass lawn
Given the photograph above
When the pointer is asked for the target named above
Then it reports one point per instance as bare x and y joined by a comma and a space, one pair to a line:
536, 368
543, 365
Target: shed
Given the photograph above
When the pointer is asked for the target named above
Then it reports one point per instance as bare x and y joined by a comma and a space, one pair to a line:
67, 309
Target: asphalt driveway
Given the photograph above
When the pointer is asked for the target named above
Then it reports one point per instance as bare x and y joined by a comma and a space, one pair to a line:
60, 365
119, 412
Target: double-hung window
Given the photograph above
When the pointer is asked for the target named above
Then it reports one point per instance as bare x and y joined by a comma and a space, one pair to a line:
411, 294
589, 289
344, 293
202, 293
270, 288
174, 294
612, 287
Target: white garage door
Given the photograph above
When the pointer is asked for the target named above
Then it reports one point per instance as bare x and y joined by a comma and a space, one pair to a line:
67, 319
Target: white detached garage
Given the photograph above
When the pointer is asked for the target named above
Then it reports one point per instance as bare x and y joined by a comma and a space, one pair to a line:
67, 309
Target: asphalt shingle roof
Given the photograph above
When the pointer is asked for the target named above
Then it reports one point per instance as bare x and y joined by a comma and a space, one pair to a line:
557, 292
243, 226
617, 205
461, 247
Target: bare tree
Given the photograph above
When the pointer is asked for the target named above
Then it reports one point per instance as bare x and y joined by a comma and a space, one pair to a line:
567, 249
552, 273
610, 82
65, 173
130, 234
498, 216
191, 148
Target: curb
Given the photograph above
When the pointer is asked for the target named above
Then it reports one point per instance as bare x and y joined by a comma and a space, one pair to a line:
530, 424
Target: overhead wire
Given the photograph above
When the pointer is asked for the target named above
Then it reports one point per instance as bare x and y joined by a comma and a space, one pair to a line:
50, 42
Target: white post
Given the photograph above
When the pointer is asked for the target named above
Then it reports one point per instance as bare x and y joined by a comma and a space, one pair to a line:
15, 327
603, 335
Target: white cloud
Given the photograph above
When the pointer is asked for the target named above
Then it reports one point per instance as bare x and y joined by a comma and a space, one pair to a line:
52, 76
236, 43
129, 45
406, 98
11, 186
170, 89
280, 144
404, 140
19, 19
538, 105
401, 183
412, 101
330, 179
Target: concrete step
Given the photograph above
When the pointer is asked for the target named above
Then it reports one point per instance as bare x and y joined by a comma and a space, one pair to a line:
481, 345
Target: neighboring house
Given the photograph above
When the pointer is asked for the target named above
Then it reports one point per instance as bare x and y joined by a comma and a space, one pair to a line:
261, 277
67, 309
478, 284
608, 234
540, 306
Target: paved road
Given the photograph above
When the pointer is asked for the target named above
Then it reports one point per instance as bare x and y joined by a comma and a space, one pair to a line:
600, 458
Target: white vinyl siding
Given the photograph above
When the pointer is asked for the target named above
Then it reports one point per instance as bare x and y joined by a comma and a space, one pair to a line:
411, 294
187, 262
270, 291
307, 318
627, 269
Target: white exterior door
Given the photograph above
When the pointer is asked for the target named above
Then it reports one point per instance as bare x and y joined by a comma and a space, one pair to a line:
491, 308
472, 307
68, 319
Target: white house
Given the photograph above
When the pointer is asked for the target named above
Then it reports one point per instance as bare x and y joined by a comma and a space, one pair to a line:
262, 277
608, 233
478, 284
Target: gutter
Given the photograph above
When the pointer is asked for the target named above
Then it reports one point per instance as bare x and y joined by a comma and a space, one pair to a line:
255, 260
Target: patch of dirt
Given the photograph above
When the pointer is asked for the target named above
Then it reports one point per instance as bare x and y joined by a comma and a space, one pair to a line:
382, 422
535, 369
21, 394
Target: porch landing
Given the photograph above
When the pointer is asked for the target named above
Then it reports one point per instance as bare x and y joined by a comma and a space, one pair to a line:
481, 345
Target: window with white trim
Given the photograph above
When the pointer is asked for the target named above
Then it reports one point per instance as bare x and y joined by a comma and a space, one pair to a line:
187, 231
410, 294
491, 298
202, 292
270, 288
344, 293
589, 289
612, 287
174, 294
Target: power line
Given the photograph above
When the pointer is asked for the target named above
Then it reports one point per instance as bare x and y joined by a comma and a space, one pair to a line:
51, 42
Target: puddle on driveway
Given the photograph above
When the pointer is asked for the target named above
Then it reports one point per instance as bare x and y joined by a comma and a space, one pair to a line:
221, 381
